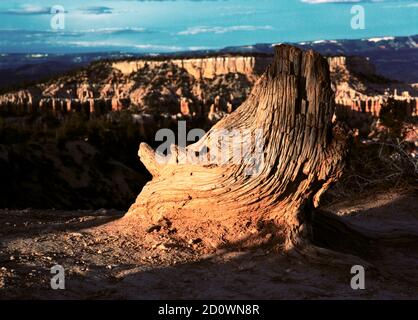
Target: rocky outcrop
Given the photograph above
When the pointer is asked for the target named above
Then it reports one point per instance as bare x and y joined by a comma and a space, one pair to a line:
202, 68
205, 88
179, 88
358, 65
360, 91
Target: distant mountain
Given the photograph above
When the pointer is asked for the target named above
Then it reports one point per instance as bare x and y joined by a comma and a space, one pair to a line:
394, 57
17, 70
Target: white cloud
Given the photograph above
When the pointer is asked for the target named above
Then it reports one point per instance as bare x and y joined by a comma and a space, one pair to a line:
335, 1
146, 47
96, 10
220, 30
116, 30
28, 10
350, 1
157, 47
88, 44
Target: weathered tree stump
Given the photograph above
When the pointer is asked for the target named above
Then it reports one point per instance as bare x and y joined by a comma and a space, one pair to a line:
289, 113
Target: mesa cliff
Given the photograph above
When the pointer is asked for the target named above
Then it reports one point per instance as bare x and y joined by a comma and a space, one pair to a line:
202, 68
194, 87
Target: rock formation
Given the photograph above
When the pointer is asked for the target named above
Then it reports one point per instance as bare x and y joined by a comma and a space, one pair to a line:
359, 91
162, 87
206, 68
153, 87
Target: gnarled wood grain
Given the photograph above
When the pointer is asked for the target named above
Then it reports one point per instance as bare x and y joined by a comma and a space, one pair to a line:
290, 109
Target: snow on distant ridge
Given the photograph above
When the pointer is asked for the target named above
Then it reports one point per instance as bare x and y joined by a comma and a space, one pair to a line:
317, 42
380, 39
37, 55
324, 41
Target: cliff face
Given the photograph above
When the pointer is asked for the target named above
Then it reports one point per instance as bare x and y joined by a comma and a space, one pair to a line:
187, 87
360, 92
344, 66
203, 68
200, 87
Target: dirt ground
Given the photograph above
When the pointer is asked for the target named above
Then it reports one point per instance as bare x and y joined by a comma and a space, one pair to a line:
153, 264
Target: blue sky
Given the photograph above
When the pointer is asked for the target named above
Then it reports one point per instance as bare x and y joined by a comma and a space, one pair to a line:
173, 25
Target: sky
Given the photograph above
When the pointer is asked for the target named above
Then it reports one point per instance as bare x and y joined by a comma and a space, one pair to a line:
176, 25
